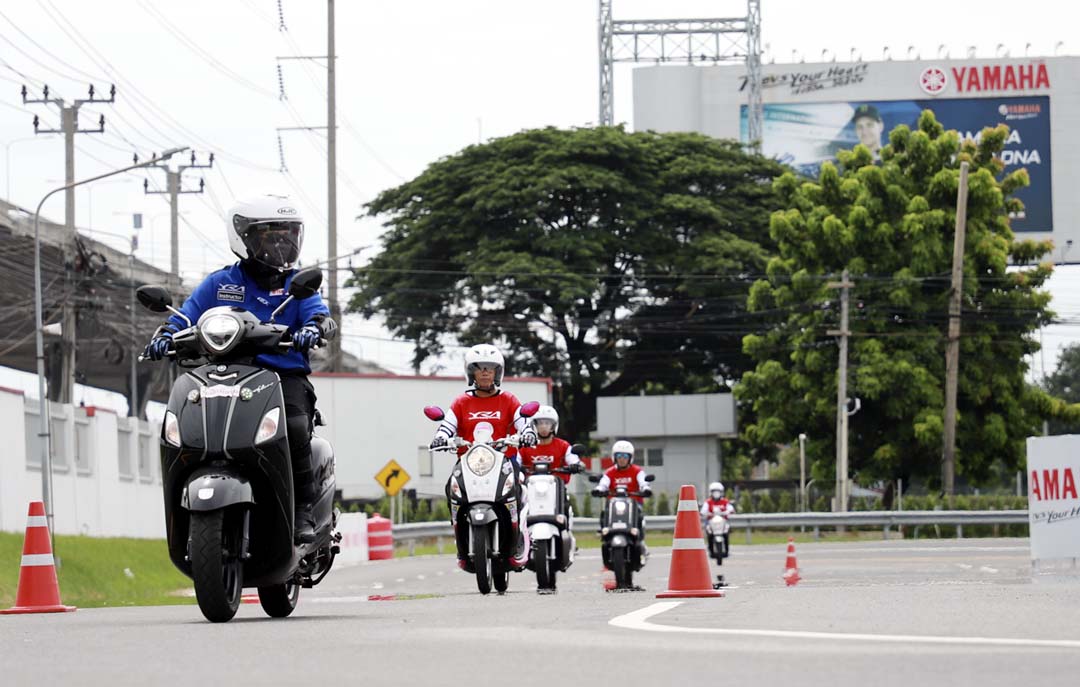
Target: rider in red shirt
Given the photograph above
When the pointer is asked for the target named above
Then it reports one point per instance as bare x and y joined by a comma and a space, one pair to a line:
717, 504
485, 408
549, 449
624, 473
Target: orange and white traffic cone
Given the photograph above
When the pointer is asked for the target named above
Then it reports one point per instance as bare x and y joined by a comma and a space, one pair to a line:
38, 590
689, 576
791, 568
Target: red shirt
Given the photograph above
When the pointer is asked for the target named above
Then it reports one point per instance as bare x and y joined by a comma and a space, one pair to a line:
719, 507
553, 453
625, 478
498, 411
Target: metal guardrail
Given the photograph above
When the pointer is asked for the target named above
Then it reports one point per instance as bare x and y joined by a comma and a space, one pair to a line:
884, 519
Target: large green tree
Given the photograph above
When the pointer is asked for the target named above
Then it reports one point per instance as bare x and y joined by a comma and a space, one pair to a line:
613, 262
891, 223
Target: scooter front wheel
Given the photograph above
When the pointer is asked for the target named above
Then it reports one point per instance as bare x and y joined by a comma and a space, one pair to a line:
482, 559
215, 564
545, 566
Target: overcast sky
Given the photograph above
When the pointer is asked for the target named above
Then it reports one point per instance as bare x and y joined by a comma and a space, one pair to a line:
417, 80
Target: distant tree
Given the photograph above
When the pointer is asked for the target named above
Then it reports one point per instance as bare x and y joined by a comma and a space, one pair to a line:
1064, 383
891, 224
613, 262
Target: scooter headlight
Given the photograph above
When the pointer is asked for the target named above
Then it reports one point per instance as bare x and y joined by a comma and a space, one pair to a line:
620, 507
268, 427
172, 429
219, 332
480, 460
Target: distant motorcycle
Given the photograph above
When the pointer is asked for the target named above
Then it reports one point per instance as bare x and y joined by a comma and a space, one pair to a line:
550, 522
485, 491
717, 530
621, 545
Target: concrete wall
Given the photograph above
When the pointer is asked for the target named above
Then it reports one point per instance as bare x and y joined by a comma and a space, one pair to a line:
106, 470
372, 419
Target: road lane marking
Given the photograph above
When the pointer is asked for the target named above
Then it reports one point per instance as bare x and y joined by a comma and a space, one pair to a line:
377, 585
988, 569
963, 566
639, 620
420, 577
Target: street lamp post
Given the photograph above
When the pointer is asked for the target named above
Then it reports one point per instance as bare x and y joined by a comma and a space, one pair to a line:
43, 410
802, 470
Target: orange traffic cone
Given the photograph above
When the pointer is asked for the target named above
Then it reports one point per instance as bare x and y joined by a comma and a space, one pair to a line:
791, 568
689, 576
38, 589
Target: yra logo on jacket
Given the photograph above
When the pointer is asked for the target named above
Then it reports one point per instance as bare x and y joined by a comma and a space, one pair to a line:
231, 292
485, 415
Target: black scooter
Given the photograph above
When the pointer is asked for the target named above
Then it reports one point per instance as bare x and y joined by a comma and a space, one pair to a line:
621, 545
226, 467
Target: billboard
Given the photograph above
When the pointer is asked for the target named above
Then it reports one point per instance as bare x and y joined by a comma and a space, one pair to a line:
807, 134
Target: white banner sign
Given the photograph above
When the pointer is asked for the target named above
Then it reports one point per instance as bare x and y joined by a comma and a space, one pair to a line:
354, 540
1053, 470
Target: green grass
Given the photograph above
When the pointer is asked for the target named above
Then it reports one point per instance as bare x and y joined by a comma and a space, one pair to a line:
91, 572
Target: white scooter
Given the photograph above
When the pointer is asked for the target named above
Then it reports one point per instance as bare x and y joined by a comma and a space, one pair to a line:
550, 521
717, 530
484, 491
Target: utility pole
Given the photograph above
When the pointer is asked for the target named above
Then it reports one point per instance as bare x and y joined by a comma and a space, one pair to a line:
69, 126
331, 168
841, 394
331, 177
174, 187
952, 351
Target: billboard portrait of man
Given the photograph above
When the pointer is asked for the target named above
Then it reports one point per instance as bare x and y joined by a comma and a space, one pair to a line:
868, 127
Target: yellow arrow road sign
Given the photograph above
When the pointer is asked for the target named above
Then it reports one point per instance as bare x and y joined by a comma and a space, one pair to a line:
392, 478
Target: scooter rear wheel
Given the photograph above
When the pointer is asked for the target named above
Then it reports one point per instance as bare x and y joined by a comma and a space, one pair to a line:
279, 600
215, 564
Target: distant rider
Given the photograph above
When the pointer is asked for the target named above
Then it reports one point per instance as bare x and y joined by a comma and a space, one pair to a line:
625, 474
549, 449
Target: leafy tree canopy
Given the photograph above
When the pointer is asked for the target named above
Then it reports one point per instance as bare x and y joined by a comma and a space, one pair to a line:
892, 225
1064, 384
613, 262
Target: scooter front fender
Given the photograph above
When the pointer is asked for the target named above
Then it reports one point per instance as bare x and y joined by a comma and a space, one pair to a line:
542, 531
212, 490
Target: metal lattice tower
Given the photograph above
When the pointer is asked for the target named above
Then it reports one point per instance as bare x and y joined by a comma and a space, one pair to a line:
607, 66
682, 40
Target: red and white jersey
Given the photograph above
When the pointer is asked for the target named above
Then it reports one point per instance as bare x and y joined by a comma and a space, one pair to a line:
501, 413
556, 453
633, 478
717, 507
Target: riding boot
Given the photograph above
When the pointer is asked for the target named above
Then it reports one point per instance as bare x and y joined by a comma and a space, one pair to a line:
304, 488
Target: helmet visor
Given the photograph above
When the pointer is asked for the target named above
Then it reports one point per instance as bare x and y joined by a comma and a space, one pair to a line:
274, 242
622, 455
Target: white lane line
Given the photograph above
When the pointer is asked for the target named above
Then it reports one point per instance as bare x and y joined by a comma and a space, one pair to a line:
963, 566
377, 585
400, 580
639, 620
440, 573
421, 577
988, 569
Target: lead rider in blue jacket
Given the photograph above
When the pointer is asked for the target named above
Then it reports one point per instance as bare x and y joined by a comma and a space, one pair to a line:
266, 233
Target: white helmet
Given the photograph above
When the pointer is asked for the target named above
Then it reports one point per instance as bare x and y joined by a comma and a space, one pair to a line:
547, 413
483, 354
622, 446
715, 488
268, 229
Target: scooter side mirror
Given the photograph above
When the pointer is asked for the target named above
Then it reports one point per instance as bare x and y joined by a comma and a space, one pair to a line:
579, 450
155, 298
529, 409
305, 283
434, 413
594, 478
650, 478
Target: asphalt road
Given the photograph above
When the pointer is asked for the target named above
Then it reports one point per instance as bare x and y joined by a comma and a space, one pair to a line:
890, 613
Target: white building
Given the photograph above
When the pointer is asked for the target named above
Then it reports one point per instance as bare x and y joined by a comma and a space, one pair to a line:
676, 438
374, 418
